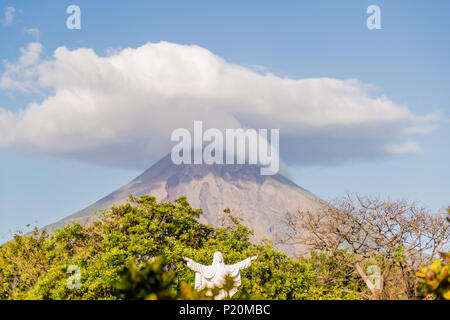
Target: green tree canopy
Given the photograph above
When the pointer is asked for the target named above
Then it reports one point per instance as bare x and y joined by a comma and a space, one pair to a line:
36, 266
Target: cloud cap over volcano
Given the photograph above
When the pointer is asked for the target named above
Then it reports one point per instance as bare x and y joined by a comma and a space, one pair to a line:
120, 109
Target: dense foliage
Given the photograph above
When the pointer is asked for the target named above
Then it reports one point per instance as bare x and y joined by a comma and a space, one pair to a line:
385, 242
435, 278
39, 266
135, 251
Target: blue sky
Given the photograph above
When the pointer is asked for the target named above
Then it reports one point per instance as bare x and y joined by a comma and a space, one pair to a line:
406, 61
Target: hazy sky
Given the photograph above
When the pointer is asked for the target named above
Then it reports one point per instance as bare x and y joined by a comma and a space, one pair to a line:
82, 112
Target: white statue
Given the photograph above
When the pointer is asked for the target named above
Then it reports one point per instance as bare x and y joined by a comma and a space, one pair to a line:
214, 275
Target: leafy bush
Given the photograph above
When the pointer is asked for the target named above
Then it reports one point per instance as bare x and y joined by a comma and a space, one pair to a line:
115, 258
435, 278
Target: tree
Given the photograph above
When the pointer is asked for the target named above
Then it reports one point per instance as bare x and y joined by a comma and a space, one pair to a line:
151, 281
383, 242
115, 257
435, 279
22, 262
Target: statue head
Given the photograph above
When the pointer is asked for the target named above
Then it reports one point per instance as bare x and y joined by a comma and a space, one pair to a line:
218, 258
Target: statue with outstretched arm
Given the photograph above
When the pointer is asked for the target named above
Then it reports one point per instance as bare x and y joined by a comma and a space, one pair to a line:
211, 276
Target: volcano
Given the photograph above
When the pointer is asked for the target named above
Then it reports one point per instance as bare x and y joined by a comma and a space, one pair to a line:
261, 201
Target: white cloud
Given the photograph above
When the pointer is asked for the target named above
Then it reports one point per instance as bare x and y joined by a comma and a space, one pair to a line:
10, 14
121, 109
409, 147
34, 32
23, 74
